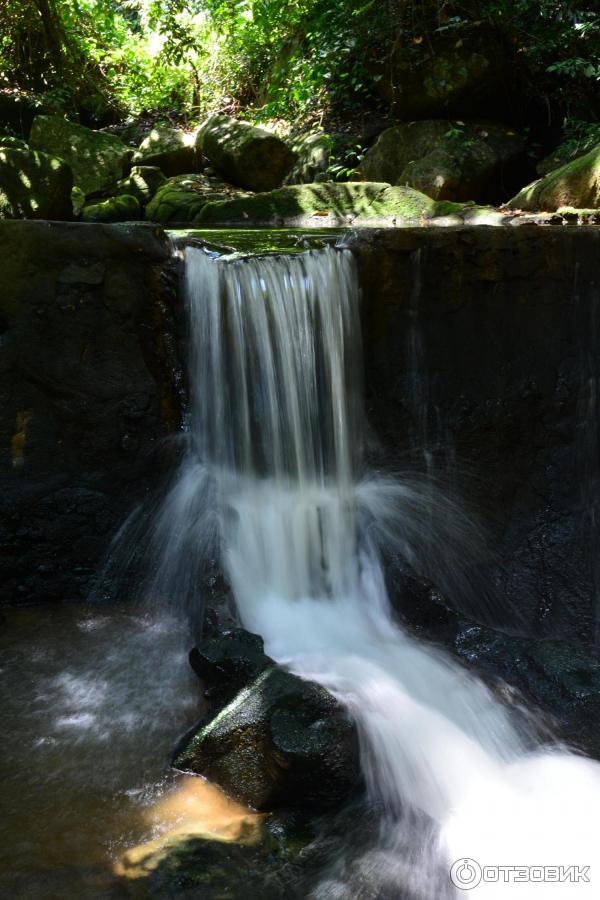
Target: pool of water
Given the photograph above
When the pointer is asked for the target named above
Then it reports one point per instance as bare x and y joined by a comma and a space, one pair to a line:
242, 241
92, 702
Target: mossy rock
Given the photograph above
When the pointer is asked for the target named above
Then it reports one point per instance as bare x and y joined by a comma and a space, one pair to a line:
319, 153
142, 183
116, 209
34, 185
97, 159
575, 185
326, 204
181, 199
447, 160
172, 150
78, 201
244, 154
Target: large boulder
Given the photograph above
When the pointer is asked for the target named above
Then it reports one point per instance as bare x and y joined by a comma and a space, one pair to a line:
447, 160
124, 208
247, 156
576, 185
34, 185
446, 74
281, 742
172, 150
325, 204
181, 198
322, 155
97, 159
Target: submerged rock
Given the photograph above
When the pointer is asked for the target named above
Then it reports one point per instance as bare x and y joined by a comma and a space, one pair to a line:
116, 209
96, 158
34, 185
575, 185
329, 203
171, 150
281, 741
182, 198
447, 160
247, 156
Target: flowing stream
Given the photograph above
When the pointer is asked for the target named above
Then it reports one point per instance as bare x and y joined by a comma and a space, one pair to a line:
278, 432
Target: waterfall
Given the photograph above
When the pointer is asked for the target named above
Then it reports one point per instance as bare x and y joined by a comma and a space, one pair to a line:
276, 474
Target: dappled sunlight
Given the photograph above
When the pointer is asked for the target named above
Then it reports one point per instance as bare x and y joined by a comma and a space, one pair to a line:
194, 809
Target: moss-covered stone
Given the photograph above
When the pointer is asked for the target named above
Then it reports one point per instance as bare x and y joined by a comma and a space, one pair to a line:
181, 199
34, 185
329, 203
78, 201
247, 156
97, 159
575, 185
447, 161
172, 150
116, 209
318, 155
142, 183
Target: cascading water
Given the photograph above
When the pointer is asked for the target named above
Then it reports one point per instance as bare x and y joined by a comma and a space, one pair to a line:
277, 443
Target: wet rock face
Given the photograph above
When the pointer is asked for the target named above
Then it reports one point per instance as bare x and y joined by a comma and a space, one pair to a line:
482, 366
85, 395
280, 742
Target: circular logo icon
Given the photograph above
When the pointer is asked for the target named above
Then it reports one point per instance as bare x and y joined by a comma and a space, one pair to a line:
465, 874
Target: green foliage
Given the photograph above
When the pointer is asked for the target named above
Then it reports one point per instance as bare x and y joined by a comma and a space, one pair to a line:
292, 60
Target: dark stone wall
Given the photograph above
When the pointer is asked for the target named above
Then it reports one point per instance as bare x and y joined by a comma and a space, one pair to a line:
87, 393
482, 356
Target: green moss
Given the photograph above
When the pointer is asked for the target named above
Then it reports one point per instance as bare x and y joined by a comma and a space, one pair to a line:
575, 185
329, 203
258, 240
78, 201
142, 183
115, 209
96, 158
